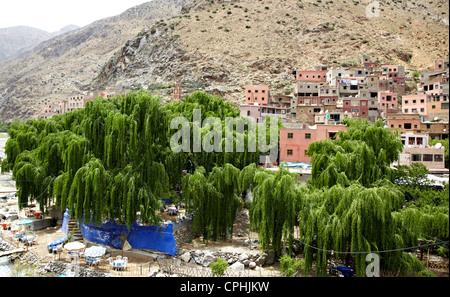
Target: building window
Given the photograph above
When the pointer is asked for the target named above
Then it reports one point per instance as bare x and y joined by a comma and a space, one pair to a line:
406, 110
444, 105
416, 157
290, 152
290, 135
438, 158
407, 125
307, 135
427, 158
248, 112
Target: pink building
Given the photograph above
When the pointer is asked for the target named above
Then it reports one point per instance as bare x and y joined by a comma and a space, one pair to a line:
312, 75
358, 108
257, 94
396, 72
441, 65
176, 93
294, 142
415, 104
387, 101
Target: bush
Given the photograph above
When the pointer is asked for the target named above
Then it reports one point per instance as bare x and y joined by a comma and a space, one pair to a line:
288, 265
218, 267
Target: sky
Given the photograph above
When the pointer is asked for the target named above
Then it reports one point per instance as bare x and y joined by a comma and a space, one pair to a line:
52, 15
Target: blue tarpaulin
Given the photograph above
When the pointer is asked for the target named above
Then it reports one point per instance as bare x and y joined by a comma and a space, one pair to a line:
159, 238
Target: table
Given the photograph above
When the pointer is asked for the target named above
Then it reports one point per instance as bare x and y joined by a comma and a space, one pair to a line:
118, 264
90, 261
28, 239
172, 210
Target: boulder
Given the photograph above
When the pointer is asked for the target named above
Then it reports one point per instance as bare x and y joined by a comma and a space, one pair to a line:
237, 266
186, 257
252, 265
207, 259
243, 257
261, 260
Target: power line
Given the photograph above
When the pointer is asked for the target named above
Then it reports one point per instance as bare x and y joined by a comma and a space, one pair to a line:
369, 252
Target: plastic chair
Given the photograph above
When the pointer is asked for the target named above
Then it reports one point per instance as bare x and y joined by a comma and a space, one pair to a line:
111, 262
125, 261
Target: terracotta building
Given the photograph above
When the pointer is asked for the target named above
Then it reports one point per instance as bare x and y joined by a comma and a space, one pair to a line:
294, 141
257, 94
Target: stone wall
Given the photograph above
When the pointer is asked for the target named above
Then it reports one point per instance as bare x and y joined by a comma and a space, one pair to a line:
184, 232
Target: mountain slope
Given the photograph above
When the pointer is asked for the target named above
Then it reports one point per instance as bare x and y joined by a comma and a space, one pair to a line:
222, 46
66, 64
14, 39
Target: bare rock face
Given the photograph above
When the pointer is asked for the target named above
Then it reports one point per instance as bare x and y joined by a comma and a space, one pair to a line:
219, 47
66, 64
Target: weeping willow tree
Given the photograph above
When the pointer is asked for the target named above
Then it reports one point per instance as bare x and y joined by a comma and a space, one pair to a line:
350, 221
361, 154
200, 106
106, 161
274, 207
214, 201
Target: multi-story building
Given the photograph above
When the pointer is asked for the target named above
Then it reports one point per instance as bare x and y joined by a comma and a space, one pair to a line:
416, 104
388, 102
257, 94
356, 106
441, 65
407, 123
176, 92
394, 72
295, 140
417, 150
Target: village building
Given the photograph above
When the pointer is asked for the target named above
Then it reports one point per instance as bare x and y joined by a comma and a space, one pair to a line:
295, 140
417, 150
177, 93
415, 104
257, 94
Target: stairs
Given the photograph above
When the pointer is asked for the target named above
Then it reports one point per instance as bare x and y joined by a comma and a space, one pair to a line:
73, 227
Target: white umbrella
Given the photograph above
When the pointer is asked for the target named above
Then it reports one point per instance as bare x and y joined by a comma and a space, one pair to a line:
95, 252
74, 246
24, 222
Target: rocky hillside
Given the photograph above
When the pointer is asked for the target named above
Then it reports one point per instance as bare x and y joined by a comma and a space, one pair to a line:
220, 46
67, 64
15, 39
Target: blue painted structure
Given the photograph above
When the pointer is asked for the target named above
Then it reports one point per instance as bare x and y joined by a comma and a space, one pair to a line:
159, 238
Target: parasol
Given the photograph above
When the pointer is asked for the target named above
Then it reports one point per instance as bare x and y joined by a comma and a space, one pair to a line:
24, 222
56, 242
74, 246
95, 252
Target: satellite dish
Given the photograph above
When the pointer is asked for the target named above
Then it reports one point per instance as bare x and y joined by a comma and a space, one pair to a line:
438, 145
